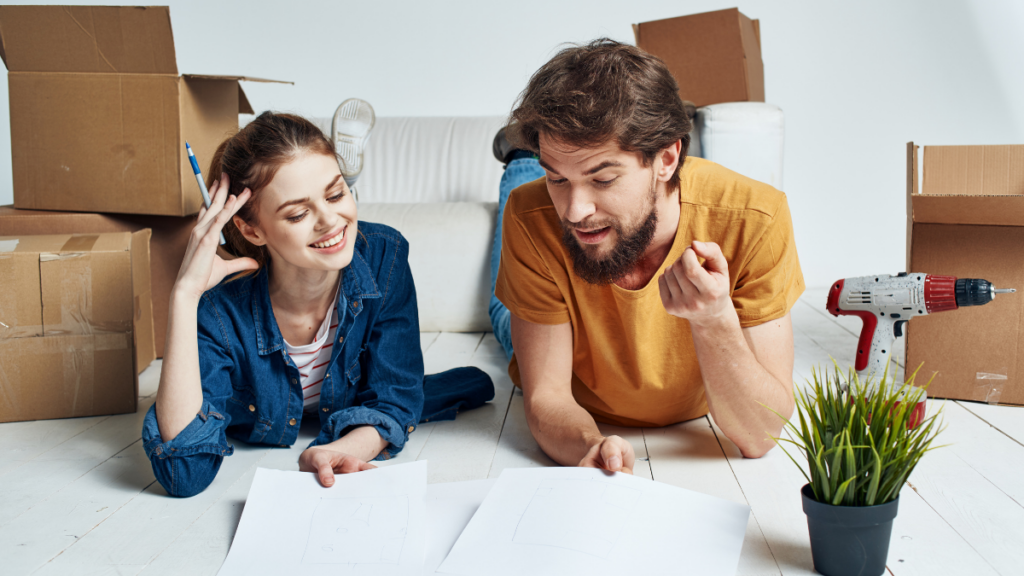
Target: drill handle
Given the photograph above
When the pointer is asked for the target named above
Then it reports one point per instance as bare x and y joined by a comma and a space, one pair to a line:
875, 347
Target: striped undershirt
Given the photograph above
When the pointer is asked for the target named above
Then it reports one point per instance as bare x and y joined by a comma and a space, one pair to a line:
312, 359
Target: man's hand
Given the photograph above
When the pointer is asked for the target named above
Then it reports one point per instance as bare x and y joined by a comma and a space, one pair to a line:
698, 293
326, 463
612, 454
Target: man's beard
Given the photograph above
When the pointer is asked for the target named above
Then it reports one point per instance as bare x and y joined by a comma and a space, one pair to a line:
627, 252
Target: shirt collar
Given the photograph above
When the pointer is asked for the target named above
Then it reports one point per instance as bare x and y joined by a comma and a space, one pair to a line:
357, 284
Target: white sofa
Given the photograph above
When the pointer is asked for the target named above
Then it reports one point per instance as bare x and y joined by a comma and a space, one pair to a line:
434, 179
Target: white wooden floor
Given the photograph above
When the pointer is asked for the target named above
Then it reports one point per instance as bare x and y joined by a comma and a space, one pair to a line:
78, 496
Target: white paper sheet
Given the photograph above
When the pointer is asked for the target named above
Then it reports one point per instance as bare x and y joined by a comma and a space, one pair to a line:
561, 521
450, 506
371, 522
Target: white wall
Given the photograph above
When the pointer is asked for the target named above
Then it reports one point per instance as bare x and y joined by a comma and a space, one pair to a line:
857, 80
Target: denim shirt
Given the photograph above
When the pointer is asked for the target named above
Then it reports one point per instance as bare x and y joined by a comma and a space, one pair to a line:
251, 387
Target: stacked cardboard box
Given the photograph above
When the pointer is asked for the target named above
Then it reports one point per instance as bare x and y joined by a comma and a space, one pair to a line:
75, 322
965, 218
715, 56
99, 118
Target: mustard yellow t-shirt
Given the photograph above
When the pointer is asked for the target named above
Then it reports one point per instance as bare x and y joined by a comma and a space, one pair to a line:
634, 364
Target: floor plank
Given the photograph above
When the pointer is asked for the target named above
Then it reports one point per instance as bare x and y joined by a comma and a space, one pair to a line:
427, 339
53, 470
23, 441
55, 522
119, 541
202, 547
463, 449
1008, 420
979, 511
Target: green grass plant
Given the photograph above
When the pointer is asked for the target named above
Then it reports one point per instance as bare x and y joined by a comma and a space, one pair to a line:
855, 438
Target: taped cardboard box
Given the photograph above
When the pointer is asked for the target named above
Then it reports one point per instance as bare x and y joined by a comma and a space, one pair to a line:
166, 248
99, 114
965, 218
75, 324
714, 56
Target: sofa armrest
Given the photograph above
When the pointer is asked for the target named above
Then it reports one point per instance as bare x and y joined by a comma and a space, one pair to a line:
746, 137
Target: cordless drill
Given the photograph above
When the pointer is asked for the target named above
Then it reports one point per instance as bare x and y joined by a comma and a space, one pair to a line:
885, 303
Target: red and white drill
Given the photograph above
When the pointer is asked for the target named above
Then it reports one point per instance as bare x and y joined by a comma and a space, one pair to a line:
885, 303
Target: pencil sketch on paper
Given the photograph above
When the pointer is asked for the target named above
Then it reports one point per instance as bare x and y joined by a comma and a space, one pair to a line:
358, 531
587, 516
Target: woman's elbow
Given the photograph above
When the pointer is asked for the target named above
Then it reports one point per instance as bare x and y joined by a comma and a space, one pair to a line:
184, 477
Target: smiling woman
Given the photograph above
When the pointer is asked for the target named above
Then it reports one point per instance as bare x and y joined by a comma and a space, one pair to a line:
317, 317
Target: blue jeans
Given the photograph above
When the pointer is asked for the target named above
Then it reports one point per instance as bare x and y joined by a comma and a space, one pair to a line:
517, 173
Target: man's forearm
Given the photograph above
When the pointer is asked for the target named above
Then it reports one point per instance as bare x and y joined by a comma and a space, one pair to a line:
564, 430
736, 386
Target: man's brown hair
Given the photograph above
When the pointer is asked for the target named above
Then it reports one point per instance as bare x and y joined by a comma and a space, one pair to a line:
588, 94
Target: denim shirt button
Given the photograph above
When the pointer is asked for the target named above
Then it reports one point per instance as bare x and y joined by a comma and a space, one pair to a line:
291, 422
411, 428
252, 408
341, 339
294, 381
324, 409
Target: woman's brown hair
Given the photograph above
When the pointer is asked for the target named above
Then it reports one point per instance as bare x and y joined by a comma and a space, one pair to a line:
251, 159
587, 95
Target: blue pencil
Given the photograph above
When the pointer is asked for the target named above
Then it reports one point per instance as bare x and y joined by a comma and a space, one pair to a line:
202, 185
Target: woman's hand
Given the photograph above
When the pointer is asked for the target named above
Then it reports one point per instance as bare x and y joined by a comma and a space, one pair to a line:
202, 268
326, 463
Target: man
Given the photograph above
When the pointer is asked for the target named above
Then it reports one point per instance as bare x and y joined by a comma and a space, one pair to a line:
636, 287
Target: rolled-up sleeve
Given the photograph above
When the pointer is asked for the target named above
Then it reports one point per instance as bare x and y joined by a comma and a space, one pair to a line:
188, 463
390, 393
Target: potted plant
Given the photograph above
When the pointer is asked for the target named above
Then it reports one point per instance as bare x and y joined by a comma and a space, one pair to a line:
861, 441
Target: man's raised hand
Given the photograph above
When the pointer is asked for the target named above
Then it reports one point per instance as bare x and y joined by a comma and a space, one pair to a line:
612, 454
697, 293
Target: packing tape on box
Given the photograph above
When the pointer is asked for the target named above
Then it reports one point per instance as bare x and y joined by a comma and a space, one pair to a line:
68, 364
991, 385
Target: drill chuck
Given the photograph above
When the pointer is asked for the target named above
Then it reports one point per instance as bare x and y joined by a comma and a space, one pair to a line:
976, 292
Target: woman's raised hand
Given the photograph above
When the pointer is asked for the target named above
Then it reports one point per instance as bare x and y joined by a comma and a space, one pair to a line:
202, 268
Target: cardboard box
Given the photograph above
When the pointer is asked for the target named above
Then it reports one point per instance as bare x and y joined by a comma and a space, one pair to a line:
715, 56
166, 248
73, 308
965, 218
99, 115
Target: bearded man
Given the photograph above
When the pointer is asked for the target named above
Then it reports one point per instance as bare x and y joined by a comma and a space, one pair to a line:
636, 286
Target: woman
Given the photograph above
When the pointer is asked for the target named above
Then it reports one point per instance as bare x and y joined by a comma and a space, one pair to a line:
319, 318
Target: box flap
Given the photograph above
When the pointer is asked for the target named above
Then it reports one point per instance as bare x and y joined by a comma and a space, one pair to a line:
118, 39
979, 210
69, 243
981, 185
973, 170
237, 78
244, 107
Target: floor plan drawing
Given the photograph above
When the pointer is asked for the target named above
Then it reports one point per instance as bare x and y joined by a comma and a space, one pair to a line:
358, 531
582, 515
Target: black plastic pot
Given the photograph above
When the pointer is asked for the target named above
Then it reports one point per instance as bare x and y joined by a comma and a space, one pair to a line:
848, 540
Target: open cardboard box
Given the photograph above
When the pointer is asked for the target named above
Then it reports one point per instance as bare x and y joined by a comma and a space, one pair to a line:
76, 324
99, 114
714, 56
965, 218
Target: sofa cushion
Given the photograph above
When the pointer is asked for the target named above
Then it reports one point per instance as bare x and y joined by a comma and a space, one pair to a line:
449, 254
